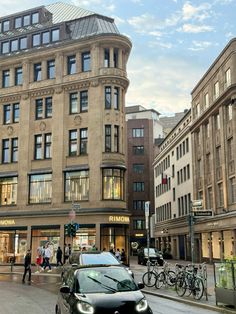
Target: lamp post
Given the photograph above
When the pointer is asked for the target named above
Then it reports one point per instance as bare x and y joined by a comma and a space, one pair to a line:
147, 207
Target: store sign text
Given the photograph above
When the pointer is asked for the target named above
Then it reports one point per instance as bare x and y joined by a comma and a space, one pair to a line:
118, 219
7, 222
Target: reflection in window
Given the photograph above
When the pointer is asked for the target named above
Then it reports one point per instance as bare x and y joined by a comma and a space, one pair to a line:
36, 40
84, 101
5, 47
18, 76
113, 184
18, 22
38, 147
71, 65
14, 45
16, 113
26, 20
23, 43
77, 185
5, 151
51, 69
35, 18
6, 114
83, 141
73, 103
45, 37
73, 143
55, 35
40, 188
8, 191
14, 151
85, 61
37, 72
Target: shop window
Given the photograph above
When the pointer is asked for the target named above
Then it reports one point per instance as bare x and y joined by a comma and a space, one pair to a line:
113, 184
114, 237
205, 245
216, 240
85, 237
8, 191
77, 185
40, 188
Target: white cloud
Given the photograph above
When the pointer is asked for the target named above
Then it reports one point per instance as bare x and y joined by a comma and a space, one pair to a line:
193, 28
86, 3
13, 6
201, 45
200, 12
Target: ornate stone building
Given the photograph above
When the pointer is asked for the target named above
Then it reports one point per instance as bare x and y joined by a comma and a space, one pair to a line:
62, 130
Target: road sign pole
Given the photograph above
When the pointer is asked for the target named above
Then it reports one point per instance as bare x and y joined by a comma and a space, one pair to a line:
191, 231
147, 209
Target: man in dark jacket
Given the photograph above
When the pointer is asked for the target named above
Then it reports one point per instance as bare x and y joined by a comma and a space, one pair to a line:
27, 265
59, 256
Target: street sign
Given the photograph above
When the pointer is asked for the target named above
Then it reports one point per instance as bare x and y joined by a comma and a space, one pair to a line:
76, 206
203, 213
196, 205
147, 204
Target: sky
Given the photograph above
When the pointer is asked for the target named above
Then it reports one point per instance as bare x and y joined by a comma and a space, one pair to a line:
174, 43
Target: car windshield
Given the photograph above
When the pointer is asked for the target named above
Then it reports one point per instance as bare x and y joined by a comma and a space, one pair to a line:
151, 251
104, 280
96, 259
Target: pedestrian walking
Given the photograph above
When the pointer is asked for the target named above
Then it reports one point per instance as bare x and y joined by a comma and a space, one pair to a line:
123, 256
67, 253
117, 254
48, 255
39, 259
27, 266
59, 256
43, 257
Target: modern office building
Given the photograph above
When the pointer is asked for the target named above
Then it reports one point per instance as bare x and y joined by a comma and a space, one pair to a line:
214, 156
143, 128
174, 190
62, 131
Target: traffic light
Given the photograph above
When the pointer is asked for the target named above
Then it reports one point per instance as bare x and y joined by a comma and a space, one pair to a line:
67, 230
73, 230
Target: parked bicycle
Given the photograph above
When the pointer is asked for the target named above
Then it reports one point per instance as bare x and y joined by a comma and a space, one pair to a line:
149, 278
166, 276
188, 282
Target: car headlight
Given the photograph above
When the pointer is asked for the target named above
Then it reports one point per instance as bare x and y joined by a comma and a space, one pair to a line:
85, 308
142, 305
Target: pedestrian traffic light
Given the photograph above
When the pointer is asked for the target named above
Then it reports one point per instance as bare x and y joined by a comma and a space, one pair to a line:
68, 230
73, 230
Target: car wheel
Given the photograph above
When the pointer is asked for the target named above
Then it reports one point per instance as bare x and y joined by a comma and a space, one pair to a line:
161, 262
57, 310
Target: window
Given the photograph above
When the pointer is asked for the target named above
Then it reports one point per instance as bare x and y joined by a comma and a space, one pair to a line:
39, 109
227, 78
106, 57
216, 90
77, 185
51, 69
138, 132
35, 18
207, 129
209, 198
138, 186
36, 40
5, 47
8, 191
55, 35
26, 20
5, 151
38, 147
84, 101
37, 72
5, 26
207, 100
138, 205
14, 151
23, 43
18, 76
232, 190
138, 150
15, 113
18, 22
6, 114
229, 112
187, 146
197, 110
220, 194
71, 64
48, 107
45, 37
107, 138
138, 168
85, 57
72, 142
47, 146
217, 122
40, 188
83, 141
208, 163
113, 184
116, 138
115, 57
230, 149
5, 78
14, 45
139, 224
108, 97
218, 156
116, 98
73, 103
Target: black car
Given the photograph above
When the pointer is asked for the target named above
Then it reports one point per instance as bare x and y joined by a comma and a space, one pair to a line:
154, 256
100, 290
94, 258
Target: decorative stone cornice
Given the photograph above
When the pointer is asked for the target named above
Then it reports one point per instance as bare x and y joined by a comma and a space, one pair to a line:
77, 86
115, 81
10, 98
42, 92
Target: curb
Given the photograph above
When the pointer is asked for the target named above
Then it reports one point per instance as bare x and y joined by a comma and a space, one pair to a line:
189, 302
32, 274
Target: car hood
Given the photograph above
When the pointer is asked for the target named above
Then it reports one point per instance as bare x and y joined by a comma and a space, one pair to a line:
105, 303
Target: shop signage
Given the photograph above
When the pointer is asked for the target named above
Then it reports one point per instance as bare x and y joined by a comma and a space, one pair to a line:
118, 219
7, 222
203, 213
139, 234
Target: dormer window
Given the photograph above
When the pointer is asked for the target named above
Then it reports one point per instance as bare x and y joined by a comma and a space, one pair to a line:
5, 47
36, 40
5, 26
45, 38
18, 22
26, 20
35, 18
14, 45
55, 35
23, 43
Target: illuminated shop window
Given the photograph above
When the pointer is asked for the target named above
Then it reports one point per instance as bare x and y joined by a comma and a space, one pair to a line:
8, 191
113, 184
40, 188
77, 185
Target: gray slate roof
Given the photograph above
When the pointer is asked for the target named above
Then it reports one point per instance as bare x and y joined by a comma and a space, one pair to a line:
65, 12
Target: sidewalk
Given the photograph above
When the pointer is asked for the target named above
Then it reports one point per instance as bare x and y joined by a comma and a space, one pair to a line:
169, 292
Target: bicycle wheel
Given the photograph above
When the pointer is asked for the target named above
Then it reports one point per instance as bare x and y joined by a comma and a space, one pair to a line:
149, 279
161, 279
198, 288
171, 278
180, 285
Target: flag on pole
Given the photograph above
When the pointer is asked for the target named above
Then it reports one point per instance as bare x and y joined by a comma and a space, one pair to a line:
163, 178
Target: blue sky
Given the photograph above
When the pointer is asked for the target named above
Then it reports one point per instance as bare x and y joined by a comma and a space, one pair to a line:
174, 43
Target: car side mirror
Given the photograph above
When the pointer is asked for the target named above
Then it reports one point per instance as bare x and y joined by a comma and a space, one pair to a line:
140, 285
65, 289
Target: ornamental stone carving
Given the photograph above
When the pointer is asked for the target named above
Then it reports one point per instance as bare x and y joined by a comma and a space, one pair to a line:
77, 120
42, 126
10, 130
94, 83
